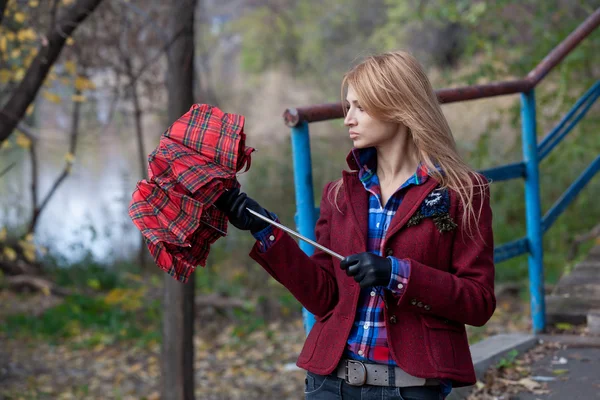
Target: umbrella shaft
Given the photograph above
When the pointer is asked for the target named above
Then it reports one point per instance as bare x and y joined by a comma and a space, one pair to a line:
296, 234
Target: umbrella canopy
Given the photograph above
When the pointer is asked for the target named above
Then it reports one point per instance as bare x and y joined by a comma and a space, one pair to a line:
197, 159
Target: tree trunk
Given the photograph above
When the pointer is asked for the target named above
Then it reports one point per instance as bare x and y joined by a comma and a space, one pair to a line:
178, 313
14, 110
139, 133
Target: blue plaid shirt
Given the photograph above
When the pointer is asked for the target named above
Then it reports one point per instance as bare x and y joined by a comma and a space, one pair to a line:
368, 338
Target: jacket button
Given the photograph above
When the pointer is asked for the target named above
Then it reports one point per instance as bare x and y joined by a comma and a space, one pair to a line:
427, 307
419, 304
393, 319
413, 302
389, 252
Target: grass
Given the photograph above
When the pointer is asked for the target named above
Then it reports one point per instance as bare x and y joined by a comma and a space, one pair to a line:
78, 314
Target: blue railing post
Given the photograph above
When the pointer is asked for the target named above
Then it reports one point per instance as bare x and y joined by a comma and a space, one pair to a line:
306, 216
533, 211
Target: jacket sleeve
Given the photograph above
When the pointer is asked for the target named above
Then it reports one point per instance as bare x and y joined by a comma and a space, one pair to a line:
310, 279
465, 294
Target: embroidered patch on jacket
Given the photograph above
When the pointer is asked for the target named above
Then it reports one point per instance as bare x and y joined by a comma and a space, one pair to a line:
436, 206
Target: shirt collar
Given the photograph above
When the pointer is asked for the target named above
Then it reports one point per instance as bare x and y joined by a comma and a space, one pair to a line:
365, 161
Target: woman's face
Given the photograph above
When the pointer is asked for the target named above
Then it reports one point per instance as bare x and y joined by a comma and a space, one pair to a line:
364, 130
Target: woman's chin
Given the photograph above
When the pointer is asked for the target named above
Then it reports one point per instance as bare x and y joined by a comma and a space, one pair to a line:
360, 144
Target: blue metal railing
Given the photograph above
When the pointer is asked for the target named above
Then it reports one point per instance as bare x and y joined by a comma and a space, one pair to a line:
528, 169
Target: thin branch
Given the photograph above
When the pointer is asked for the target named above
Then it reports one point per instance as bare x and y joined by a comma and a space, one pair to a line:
68, 163
27, 131
164, 49
34, 186
36, 74
53, 13
11, 166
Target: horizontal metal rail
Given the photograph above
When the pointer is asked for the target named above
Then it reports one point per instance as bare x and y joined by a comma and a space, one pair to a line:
322, 112
504, 172
511, 249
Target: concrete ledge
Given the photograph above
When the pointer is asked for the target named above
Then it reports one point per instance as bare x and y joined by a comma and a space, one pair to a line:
491, 350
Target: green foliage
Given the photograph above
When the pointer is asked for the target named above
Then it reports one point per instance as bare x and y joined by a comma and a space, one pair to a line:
508, 361
79, 314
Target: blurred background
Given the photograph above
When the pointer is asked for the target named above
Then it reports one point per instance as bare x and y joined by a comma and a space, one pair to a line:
81, 302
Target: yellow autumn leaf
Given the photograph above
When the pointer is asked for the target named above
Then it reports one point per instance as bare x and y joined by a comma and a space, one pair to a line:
46, 290
78, 98
19, 17
28, 237
5, 145
5, 76
3, 234
29, 255
30, 109
52, 97
68, 2
70, 41
3, 43
10, 254
34, 3
15, 53
82, 83
22, 141
18, 75
115, 296
69, 157
26, 34
10, 36
70, 67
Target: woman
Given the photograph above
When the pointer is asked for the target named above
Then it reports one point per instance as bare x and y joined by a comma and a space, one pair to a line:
415, 224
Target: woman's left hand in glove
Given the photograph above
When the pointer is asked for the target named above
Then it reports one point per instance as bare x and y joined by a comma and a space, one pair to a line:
368, 269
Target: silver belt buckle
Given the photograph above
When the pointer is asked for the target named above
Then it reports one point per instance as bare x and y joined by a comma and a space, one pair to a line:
356, 373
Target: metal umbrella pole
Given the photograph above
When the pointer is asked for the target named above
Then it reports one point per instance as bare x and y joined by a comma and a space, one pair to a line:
296, 234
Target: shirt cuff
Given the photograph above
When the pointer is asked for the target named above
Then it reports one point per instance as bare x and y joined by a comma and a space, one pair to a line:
400, 275
268, 236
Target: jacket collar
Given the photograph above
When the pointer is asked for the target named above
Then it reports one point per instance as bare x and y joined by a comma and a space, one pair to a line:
358, 200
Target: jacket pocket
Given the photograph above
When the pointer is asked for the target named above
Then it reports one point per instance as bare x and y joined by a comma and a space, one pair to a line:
325, 317
313, 337
443, 339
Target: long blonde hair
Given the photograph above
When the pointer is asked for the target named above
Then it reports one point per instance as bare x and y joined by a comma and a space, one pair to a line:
393, 86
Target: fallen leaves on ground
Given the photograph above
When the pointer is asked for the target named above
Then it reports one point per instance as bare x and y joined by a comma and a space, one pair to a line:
228, 365
226, 368
514, 377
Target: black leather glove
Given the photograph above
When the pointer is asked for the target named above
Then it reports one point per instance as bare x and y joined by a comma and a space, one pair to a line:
233, 203
368, 269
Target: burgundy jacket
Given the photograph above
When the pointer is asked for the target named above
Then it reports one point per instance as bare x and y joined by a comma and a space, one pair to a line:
451, 282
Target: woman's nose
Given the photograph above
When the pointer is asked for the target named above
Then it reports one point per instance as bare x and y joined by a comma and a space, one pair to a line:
349, 120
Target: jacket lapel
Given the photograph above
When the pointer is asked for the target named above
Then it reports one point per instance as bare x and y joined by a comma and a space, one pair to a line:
410, 204
358, 200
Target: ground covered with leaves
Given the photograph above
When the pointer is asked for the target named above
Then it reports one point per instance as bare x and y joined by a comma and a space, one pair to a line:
106, 344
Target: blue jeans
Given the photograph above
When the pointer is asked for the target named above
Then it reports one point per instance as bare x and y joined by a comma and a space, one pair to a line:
329, 387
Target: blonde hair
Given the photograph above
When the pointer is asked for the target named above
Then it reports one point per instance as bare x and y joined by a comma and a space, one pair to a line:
393, 87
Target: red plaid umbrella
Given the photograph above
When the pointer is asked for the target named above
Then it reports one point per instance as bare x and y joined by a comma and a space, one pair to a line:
196, 160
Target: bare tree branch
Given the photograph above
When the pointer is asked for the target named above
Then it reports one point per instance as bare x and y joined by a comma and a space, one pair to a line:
2, 9
15, 108
5, 170
67, 169
27, 131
